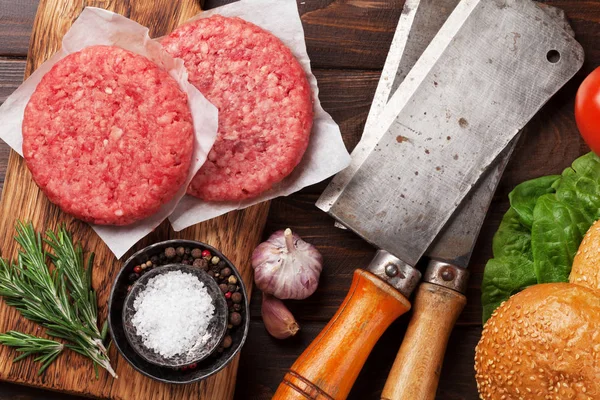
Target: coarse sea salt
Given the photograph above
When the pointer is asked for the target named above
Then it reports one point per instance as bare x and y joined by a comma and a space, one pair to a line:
172, 313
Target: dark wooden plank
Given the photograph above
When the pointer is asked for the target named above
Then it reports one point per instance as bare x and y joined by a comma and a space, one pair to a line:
549, 144
11, 76
16, 21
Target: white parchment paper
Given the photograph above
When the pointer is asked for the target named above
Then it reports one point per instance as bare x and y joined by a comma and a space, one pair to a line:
326, 153
100, 27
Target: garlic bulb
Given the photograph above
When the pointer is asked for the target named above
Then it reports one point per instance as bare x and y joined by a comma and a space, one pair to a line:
278, 320
286, 266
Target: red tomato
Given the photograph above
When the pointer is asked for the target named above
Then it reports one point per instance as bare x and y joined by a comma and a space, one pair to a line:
587, 110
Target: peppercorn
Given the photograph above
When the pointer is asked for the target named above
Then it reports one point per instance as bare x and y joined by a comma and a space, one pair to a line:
133, 277
211, 274
137, 269
231, 288
188, 251
227, 341
170, 252
237, 307
220, 349
180, 251
196, 253
192, 366
237, 297
154, 260
148, 263
206, 254
215, 260
184, 368
177, 260
143, 266
186, 262
226, 272
235, 318
232, 280
222, 264
223, 288
228, 294
201, 263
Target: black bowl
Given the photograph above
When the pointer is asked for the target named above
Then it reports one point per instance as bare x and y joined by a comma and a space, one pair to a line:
205, 368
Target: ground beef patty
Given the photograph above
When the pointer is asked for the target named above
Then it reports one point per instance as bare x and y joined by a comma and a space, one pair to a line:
264, 102
108, 136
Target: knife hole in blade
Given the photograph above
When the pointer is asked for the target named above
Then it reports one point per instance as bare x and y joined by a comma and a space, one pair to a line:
553, 56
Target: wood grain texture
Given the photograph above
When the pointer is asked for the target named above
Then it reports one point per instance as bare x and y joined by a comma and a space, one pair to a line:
416, 370
16, 21
328, 367
235, 234
11, 75
549, 144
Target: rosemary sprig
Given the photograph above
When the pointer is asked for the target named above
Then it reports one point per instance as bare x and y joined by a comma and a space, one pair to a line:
27, 345
62, 299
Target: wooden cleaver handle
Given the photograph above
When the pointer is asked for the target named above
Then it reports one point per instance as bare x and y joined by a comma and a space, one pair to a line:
416, 371
329, 366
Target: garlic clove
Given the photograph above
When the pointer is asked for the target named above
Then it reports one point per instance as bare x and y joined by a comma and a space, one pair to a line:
278, 320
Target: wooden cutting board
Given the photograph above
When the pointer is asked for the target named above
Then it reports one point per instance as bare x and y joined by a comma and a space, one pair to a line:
235, 234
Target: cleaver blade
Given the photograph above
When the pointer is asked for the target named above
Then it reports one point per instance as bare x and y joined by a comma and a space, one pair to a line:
466, 98
455, 243
440, 298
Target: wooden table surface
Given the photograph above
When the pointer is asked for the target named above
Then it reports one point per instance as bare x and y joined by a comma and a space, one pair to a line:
348, 41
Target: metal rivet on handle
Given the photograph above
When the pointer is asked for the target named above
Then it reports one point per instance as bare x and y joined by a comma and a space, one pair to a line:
447, 275
391, 270
395, 272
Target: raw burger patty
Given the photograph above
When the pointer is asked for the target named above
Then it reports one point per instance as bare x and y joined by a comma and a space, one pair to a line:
264, 102
108, 136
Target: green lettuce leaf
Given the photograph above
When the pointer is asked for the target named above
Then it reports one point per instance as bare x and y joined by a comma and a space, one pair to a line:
524, 197
512, 269
541, 232
562, 219
504, 277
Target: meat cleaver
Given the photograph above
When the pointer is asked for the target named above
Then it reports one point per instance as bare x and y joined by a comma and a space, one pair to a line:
440, 299
489, 69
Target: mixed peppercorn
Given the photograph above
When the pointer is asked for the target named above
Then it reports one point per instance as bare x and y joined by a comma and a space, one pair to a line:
216, 268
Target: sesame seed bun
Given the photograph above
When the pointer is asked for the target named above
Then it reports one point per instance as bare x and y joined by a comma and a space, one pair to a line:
542, 343
586, 265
